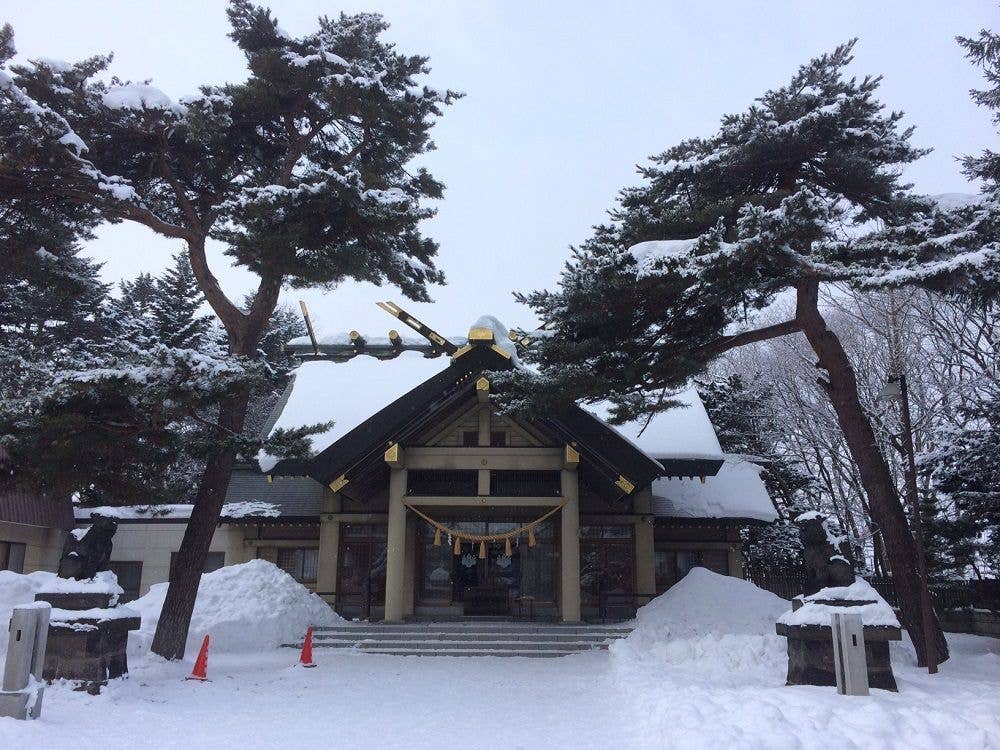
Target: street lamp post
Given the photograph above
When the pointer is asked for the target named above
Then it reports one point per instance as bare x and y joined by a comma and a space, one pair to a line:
897, 388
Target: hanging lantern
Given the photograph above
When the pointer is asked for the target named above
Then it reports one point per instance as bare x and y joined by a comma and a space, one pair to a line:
531, 537
506, 547
458, 545
482, 550
437, 537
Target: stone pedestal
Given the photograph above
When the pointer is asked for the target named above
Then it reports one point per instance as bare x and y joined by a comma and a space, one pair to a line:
810, 651
87, 639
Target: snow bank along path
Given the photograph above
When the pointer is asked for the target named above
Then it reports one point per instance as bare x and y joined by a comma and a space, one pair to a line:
705, 669
248, 607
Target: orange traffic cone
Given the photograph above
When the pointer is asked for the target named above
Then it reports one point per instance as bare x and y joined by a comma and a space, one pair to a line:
306, 659
200, 671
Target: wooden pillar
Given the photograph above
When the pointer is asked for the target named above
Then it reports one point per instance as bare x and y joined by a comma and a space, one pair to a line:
410, 569
569, 553
645, 555
329, 548
395, 563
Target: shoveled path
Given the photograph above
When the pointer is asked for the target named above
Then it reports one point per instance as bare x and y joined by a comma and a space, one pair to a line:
348, 701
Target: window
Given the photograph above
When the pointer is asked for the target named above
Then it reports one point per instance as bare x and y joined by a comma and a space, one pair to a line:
470, 439
673, 564
299, 562
540, 564
361, 578
607, 563
129, 576
532, 483
12, 556
498, 439
435, 579
442, 483
214, 561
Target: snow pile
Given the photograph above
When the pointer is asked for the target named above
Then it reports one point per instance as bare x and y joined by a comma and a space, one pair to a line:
714, 622
248, 607
17, 589
813, 612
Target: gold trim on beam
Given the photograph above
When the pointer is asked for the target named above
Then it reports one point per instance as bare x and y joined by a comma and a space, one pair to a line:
391, 307
625, 485
339, 483
481, 333
309, 326
501, 351
394, 456
571, 457
464, 350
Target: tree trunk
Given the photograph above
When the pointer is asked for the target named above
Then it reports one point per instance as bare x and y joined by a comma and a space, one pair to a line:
178, 606
244, 331
887, 511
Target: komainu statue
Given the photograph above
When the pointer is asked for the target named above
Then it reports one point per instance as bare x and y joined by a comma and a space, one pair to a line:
826, 554
85, 557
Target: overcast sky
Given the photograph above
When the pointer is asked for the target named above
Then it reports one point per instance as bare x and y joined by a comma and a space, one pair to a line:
563, 100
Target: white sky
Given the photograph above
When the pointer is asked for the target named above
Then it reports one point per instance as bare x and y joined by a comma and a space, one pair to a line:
563, 100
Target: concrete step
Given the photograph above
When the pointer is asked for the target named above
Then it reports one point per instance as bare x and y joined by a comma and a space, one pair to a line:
497, 645
471, 637
442, 627
468, 638
445, 652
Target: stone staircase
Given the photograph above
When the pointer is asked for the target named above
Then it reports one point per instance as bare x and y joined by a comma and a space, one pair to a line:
468, 638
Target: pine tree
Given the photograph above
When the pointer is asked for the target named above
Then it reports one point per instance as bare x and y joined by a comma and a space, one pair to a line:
302, 170
955, 250
718, 228
175, 306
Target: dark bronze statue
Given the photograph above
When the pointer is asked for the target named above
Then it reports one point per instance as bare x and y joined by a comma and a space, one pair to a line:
85, 557
827, 554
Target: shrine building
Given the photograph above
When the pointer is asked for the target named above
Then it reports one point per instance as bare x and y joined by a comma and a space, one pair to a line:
424, 501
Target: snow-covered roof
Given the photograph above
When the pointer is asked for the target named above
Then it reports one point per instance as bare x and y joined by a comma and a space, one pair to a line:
737, 491
683, 432
348, 393
176, 511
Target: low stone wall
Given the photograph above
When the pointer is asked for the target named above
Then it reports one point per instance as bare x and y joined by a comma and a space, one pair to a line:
974, 621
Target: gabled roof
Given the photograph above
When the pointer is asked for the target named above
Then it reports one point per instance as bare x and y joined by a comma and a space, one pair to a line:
611, 453
383, 426
373, 402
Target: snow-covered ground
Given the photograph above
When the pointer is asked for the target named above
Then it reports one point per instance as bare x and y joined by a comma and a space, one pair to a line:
703, 669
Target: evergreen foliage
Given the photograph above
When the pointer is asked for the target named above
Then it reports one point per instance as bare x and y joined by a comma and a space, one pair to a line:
175, 307
302, 170
719, 227
964, 523
748, 213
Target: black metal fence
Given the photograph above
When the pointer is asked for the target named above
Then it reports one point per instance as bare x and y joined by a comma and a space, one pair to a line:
978, 594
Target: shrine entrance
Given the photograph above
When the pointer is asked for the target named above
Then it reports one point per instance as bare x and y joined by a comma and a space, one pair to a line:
497, 584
